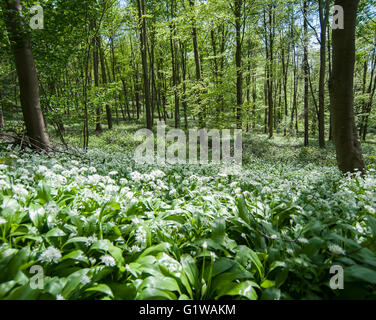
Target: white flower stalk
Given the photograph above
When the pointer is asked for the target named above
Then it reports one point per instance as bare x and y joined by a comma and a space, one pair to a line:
336, 249
108, 260
50, 255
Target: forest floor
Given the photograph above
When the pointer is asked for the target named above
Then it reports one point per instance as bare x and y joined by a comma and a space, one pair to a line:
104, 227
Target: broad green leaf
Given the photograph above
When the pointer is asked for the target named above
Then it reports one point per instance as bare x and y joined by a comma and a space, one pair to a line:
102, 288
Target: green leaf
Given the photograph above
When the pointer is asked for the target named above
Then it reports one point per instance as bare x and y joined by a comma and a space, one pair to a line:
114, 251
162, 283
246, 254
162, 247
190, 268
267, 284
219, 231
313, 247
222, 265
123, 291
55, 232
243, 210
24, 293
77, 255
244, 289
44, 193
102, 288
14, 265
83, 240
361, 273
73, 283
155, 294
115, 205
271, 294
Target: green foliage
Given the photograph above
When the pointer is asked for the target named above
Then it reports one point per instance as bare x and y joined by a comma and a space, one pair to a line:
110, 229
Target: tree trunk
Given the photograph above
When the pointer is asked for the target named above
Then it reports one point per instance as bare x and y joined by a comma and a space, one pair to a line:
324, 18
104, 81
96, 47
270, 68
1, 112
126, 99
27, 76
239, 72
109, 117
174, 66
346, 139
285, 65
202, 112
184, 75
144, 50
306, 75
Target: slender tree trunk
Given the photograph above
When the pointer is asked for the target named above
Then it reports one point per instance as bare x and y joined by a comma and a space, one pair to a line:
27, 76
144, 50
152, 73
104, 81
96, 47
306, 74
1, 112
184, 75
126, 99
222, 66
367, 105
270, 68
109, 117
202, 111
324, 18
239, 72
369, 109
174, 64
346, 139
330, 75
285, 65
254, 97
294, 111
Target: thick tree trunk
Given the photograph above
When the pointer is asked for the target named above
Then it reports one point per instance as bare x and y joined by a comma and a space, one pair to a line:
346, 139
27, 76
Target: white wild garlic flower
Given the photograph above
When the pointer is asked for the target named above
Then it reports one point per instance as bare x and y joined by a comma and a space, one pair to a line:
108, 260
50, 255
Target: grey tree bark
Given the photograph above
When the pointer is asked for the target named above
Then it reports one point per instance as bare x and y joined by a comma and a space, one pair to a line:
27, 76
345, 135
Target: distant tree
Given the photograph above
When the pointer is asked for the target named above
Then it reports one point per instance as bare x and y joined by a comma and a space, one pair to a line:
144, 52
